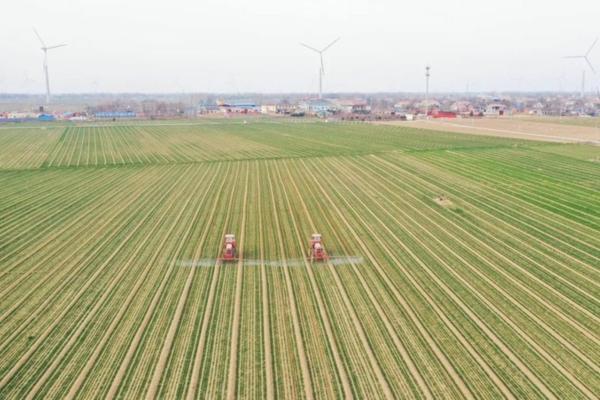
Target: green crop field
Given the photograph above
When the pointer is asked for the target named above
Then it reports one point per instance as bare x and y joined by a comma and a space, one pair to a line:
460, 266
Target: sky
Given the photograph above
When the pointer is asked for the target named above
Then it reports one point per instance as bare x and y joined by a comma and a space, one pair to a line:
239, 46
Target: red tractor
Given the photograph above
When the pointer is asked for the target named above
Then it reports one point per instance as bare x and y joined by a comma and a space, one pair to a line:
317, 251
229, 248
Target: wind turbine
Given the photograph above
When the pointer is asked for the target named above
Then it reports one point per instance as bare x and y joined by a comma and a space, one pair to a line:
587, 60
45, 50
322, 67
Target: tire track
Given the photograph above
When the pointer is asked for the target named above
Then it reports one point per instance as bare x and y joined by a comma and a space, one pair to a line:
235, 331
266, 324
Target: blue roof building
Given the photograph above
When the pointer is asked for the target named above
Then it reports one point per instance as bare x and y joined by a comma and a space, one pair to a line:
46, 117
114, 114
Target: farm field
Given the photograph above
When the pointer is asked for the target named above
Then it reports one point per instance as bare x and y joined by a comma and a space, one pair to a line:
593, 122
586, 131
462, 266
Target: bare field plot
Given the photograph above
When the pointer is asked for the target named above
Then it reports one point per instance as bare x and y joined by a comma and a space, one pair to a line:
518, 128
593, 122
461, 266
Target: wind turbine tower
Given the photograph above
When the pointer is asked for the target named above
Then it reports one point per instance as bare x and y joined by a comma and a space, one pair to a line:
427, 75
45, 50
587, 61
322, 66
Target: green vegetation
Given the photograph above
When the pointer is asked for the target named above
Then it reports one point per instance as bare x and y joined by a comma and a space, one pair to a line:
462, 266
581, 152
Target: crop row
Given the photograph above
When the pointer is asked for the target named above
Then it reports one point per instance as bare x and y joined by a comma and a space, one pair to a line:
26, 148
119, 293
105, 145
506, 295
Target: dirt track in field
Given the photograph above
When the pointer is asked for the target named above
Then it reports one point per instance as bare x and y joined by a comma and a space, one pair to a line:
509, 127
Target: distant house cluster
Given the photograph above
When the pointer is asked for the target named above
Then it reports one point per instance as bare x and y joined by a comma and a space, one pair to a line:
343, 107
33, 116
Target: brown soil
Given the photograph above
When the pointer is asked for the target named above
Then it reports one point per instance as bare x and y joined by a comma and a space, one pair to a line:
509, 127
443, 201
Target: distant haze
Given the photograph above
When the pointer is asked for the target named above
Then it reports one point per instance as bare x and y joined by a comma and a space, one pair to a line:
253, 46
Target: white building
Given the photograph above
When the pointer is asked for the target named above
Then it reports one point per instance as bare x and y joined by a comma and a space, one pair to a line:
495, 109
268, 109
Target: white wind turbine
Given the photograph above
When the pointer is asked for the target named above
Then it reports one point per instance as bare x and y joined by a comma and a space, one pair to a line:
587, 60
45, 50
322, 67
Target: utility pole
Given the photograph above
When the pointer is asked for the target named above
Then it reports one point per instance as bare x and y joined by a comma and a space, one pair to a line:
427, 74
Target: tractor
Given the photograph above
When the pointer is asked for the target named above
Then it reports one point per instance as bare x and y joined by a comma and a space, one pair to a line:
229, 248
317, 251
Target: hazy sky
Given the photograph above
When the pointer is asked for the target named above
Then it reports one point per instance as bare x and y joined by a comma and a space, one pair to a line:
239, 46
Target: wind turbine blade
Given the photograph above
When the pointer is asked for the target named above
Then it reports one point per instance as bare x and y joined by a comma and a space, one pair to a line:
590, 64
56, 46
574, 57
309, 47
330, 44
592, 47
39, 37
